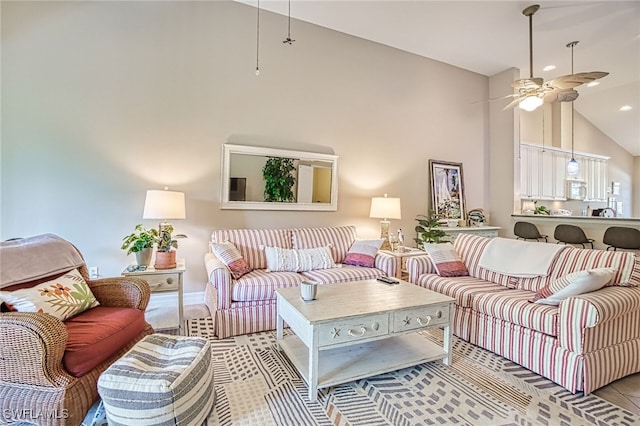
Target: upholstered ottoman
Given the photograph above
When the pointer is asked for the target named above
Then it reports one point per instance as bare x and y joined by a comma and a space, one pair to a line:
162, 380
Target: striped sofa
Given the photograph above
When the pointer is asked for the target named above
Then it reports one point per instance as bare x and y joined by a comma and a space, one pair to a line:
586, 342
248, 304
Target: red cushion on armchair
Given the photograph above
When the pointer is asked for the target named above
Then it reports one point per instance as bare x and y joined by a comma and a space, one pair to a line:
97, 334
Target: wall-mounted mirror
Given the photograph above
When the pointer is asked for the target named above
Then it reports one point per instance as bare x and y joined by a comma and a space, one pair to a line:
259, 178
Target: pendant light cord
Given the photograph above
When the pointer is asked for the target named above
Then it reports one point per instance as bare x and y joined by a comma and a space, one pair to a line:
288, 39
258, 41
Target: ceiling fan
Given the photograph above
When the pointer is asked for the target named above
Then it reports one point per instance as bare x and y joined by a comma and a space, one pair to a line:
534, 91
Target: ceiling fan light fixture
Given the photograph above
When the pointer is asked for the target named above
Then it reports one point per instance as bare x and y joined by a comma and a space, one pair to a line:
530, 103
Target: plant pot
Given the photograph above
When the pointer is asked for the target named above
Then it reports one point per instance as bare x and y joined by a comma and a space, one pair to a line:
165, 259
143, 257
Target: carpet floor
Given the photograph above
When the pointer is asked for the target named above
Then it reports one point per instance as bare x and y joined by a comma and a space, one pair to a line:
256, 385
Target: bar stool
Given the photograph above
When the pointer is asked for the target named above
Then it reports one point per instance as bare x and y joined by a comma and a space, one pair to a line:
527, 231
571, 234
621, 237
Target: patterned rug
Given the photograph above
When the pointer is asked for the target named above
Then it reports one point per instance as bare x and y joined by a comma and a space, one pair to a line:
256, 385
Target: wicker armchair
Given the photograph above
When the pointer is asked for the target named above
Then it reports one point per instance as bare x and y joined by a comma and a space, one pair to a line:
35, 387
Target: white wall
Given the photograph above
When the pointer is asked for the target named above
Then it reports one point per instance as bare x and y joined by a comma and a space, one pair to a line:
104, 100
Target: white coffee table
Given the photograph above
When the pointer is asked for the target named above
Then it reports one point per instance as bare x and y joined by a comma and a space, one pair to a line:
360, 329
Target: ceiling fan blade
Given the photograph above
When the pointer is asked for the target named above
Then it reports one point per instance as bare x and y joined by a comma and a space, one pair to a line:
496, 99
560, 95
574, 80
527, 83
514, 103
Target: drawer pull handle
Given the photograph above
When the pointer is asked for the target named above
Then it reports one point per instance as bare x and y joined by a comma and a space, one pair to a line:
169, 280
422, 322
362, 332
439, 314
375, 326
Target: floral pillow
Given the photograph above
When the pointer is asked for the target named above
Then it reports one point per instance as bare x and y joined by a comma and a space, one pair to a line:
230, 256
291, 260
363, 253
63, 297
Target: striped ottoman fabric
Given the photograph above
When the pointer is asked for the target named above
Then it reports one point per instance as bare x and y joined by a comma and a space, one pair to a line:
162, 380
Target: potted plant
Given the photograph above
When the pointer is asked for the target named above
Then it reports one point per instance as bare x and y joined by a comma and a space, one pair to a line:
141, 243
427, 229
278, 179
165, 255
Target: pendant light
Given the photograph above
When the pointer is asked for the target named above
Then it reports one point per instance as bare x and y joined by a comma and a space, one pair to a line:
573, 168
258, 41
288, 40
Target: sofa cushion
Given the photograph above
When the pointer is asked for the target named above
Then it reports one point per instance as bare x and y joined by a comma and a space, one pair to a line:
230, 256
249, 242
446, 260
261, 285
292, 260
344, 274
574, 259
95, 335
573, 284
339, 238
62, 297
463, 289
363, 253
513, 306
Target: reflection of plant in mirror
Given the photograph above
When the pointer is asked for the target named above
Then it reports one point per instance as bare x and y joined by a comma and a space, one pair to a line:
278, 179
427, 229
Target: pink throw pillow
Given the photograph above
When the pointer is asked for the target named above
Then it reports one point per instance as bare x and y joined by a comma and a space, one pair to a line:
228, 254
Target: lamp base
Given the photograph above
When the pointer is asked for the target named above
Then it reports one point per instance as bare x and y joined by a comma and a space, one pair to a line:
384, 234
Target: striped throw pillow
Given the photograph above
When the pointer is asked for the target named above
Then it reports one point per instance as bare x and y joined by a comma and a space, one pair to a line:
230, 256
446, 260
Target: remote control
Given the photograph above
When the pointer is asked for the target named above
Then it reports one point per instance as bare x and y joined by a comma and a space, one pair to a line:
388, 280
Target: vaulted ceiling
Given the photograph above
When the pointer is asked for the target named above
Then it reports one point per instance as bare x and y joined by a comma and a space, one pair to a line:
488, 37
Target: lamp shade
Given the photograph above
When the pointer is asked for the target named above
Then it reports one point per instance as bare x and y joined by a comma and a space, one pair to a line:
385, 208
160, 204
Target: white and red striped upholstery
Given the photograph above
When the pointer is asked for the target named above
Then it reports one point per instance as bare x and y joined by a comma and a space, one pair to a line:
588, 341
248, 304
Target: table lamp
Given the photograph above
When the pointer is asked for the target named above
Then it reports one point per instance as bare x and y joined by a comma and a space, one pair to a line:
164, 205
385, 208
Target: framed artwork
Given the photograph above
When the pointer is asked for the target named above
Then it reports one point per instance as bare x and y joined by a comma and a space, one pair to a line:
447, 190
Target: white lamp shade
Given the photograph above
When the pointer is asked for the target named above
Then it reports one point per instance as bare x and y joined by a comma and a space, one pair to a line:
161, 204
385, 208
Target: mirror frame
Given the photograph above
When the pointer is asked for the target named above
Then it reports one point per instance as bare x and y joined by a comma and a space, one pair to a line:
229, 149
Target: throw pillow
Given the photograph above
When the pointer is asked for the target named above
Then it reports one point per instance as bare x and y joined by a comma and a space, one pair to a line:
446, 260
230, 256
291, 260
573, 284
63, 297
363, 253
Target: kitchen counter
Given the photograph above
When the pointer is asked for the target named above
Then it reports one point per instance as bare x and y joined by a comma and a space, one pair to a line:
593, 226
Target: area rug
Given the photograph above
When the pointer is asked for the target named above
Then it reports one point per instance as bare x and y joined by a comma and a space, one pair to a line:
256, 385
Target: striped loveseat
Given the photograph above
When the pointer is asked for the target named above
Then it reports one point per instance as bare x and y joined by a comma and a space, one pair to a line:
586, 342
248, 304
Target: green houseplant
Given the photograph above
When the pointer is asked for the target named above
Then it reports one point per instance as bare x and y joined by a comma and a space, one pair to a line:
141, 243
427, 229
165, 256
278, 179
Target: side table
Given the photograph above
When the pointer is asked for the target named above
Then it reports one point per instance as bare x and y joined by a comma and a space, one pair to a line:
163, 281
401, 259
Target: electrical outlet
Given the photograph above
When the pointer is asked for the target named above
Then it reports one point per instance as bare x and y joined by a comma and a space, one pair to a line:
93, 272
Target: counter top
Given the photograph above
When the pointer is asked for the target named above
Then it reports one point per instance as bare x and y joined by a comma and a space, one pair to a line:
587, 219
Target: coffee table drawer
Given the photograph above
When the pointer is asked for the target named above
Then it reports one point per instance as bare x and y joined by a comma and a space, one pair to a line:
411, 319
353, 330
